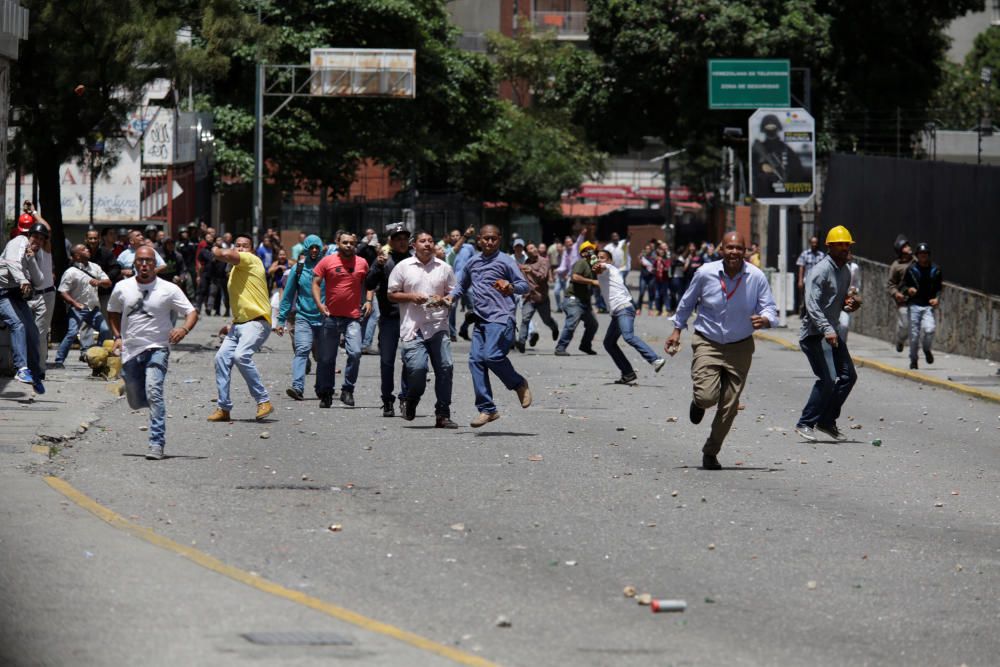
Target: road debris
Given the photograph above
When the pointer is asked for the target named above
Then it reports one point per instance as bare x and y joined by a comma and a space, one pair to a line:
644, 599
658, 606
629, 591
536, 457
335, 527
503, 622
458, 527
265, 435
877, 442
811, 585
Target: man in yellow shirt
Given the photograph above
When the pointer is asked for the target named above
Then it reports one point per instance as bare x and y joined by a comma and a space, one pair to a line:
251, 326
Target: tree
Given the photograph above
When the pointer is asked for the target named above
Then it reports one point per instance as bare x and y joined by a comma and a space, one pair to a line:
962, 97
525, 161
322, 141
863, 55
531, 152
83, 68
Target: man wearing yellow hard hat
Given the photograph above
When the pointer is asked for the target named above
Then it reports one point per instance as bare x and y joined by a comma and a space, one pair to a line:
826, 296
576, 304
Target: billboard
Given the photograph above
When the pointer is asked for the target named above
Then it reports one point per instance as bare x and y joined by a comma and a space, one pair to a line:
116, 191
782, 156
363, 73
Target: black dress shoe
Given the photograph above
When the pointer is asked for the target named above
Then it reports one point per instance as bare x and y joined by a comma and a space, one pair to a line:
555, 333
326, 400
913, 365
444, 422
899, 347
294, 394
387, 409
696, 414
520, 347
347, 398
710, 462
588, 350
929, 356
410, 413
533, 339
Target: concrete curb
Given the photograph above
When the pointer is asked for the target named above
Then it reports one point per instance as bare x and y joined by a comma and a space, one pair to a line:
907, 374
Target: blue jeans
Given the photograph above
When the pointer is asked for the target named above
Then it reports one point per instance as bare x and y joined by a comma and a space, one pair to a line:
922, 324
490, 344
576, 311
92, 318
302, 342
416, 354
647, 286
16, 314
388, 344
623, 326
238, 348
144, 375
835, 377
560, 291
528, 310
369, 325
662, 295
677, 288
329, 345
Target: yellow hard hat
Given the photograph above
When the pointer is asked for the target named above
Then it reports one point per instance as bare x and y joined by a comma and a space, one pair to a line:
839, 234
587, 245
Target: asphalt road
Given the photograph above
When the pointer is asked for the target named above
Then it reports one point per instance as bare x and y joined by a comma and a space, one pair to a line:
819, 554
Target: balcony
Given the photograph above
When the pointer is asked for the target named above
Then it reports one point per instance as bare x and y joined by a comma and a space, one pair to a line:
567, 18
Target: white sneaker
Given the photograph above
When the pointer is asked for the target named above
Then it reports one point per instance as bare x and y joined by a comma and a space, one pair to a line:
155, 452
806, 433
659, 364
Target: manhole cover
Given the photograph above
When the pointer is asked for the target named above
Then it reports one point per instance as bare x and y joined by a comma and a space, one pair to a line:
297, 638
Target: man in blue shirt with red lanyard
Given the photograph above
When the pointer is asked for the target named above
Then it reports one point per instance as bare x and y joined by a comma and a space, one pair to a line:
733, 299
492, 279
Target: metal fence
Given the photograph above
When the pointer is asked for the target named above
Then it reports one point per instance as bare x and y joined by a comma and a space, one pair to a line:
953, 207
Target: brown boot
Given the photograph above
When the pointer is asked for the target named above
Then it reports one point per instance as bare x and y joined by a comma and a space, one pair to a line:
219, 415
264, 409
484, 418
524, 394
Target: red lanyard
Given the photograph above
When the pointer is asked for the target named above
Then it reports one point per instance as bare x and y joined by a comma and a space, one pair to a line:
729, 295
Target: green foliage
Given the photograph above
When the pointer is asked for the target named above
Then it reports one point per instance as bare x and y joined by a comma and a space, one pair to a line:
321, 141
864, 55
961, 99
525, 160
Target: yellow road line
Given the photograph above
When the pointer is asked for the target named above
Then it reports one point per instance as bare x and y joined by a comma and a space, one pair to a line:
242, 576
898, 372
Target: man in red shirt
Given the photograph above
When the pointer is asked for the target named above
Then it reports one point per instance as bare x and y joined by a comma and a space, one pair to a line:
341, 276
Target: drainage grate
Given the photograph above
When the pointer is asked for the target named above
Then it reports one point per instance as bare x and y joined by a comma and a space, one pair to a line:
297, 638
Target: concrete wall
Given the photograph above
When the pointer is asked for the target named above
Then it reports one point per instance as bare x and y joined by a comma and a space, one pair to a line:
968, 322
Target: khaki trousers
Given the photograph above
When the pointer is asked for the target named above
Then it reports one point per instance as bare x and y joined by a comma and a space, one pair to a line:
719, 373
43, 307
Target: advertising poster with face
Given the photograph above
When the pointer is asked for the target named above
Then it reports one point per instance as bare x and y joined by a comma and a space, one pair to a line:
782, 156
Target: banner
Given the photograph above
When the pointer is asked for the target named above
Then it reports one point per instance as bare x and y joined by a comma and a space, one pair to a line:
782, 156
116, 190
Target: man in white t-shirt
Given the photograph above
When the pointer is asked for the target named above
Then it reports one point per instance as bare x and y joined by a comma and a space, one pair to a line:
622, 325
78, 288
139, 315
420, 285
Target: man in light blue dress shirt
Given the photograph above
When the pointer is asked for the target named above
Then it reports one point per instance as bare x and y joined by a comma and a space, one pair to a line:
733, 299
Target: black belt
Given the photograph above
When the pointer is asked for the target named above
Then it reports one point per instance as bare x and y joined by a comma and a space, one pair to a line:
45, 291
259, 318
735, 342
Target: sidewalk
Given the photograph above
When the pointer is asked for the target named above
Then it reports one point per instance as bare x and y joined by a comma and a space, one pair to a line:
974, 377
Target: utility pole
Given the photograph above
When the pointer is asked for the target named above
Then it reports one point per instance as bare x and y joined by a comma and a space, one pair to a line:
258, 153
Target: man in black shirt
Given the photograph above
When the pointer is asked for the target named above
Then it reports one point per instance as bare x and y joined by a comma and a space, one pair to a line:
922, 283
388, 320
104, 258
576, 304
188, 249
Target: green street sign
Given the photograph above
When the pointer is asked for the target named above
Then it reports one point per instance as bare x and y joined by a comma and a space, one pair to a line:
748, 84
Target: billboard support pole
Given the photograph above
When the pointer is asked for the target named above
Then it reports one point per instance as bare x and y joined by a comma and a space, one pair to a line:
782, 265
258, 153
